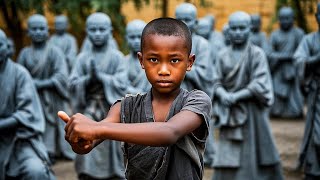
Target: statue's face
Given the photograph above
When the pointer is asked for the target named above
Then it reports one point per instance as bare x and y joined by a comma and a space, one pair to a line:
60, 26
98, 32
11, 47
38, 31
286, 19
133, 37
239, 30
188, 17
204, 28
255, 24
3, 49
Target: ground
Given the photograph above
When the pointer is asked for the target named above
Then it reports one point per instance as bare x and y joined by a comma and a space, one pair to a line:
288, 136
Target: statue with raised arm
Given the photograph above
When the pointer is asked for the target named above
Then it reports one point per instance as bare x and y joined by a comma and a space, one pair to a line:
48, 68
286, 82
245, 148
22, 151
96, 82
64, 40
136, 75
307, 56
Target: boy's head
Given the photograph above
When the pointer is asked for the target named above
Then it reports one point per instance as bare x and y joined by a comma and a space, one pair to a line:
38, 28
187, 13
3, 46
239, 27
133, 34
98, 28
255, 23
286, 18
165, 53
61, 24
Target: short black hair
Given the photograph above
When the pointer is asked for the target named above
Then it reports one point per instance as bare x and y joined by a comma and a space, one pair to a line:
167, 27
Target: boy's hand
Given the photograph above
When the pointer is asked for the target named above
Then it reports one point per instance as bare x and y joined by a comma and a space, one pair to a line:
79, 144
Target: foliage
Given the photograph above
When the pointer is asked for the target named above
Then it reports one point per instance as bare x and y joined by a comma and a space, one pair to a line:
301, 9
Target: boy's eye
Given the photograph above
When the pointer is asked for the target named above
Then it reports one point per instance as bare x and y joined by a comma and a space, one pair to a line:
175, 60
154, 60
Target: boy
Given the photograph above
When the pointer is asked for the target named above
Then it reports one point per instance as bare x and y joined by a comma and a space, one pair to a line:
22, 152
243, 89
169, 125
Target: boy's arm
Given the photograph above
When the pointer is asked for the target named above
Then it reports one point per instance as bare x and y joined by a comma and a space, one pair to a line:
80, 128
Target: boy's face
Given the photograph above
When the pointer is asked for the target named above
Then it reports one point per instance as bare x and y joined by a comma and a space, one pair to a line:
165, 60
98, 33
38, 31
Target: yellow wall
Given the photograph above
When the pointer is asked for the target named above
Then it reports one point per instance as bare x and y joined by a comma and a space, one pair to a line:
221, 9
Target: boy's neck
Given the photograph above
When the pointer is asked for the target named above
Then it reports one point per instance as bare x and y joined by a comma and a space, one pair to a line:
165, 97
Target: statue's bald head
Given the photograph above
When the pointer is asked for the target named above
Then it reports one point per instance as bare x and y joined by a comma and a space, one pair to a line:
286, 18
37, 18
3, 46
2, 35
186, 8
135, 24
239, 24
239, 16
98, 17
286, 11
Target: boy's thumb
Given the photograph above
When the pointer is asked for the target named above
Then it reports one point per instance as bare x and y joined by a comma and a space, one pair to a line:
64, 116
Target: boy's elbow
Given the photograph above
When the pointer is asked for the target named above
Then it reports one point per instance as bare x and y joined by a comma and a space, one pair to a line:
172, 136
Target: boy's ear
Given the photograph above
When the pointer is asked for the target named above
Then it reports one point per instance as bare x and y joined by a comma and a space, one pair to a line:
139, 54
192, 58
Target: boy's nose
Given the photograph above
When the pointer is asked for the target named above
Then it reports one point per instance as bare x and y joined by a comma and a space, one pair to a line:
164, 71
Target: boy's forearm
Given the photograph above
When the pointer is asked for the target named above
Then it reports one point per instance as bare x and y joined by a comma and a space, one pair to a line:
149, 134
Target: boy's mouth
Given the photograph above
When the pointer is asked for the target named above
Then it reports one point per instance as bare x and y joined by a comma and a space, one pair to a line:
164, 83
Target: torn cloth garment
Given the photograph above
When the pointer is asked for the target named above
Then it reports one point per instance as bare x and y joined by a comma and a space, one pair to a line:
182, 160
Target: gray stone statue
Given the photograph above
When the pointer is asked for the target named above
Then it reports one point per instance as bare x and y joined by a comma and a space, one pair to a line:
200, 76
11, 48
22, 151
87, 45
226, 38
48, 68
96, 82
307, 55
136, 75
283, 43
243, 93
257, 37
65, 41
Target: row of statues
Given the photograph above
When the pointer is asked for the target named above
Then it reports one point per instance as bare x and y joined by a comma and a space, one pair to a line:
248, 76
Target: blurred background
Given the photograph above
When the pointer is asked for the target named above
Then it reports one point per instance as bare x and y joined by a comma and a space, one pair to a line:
14, 13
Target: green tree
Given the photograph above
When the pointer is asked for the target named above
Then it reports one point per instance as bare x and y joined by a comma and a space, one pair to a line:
301, 9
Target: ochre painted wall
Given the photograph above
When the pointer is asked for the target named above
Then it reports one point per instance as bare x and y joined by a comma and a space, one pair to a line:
221, 9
